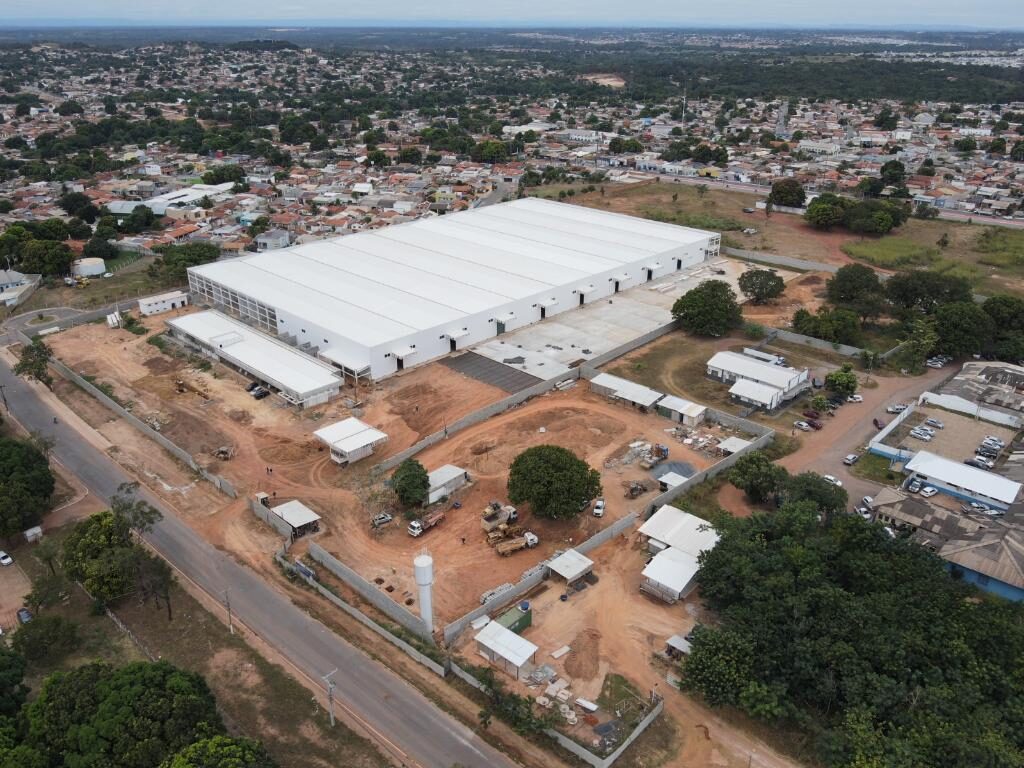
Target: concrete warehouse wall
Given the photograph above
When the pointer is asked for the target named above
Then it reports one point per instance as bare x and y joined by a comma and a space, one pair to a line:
219, 482
533, 578
370, 592
473, 418
365, 620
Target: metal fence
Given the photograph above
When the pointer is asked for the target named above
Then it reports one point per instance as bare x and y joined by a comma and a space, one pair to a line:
223, 485
370, 592
362, 618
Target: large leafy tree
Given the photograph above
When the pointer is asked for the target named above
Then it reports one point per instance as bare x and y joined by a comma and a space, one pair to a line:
852, 283
964, 328
826, 211
842, 381
132, 717
221, 752
99, 553
761, 285
13, 691
926, 291
811, 487
710, 309
46, 638
756, 475
26, 484
553, 480
787, 192
410, 482
34, 361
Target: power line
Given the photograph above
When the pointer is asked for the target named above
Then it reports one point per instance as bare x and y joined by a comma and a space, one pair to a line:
330, 692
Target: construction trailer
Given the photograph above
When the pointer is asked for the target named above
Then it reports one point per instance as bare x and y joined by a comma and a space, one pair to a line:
444, 481
506, 650
681, 410
164, 302
625, 391
350, 440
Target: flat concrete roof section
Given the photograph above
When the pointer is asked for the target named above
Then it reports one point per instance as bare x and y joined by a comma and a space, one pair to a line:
281, 366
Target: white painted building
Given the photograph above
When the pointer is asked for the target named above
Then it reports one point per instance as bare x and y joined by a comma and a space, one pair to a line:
296, 377
677, 538
444, 481
962, 481
379, 301
350, 440
164, 302
755, 381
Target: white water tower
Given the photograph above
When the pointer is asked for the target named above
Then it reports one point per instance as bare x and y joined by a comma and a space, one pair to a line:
423, 566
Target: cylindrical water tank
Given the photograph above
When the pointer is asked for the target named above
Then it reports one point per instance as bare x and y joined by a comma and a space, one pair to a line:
88, 267
423, 567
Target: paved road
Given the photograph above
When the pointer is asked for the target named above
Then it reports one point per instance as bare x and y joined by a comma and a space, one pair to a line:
419, 734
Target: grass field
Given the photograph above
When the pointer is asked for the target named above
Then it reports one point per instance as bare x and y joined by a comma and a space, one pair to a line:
874, 468
129, 283
892, 252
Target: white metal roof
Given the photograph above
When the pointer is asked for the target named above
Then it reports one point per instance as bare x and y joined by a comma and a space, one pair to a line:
273, 361
765, 394
733, 444
681, 405
680, 530
444, 474
778, 376
672, 479
350, 434
506, 643
672, 568
962, 476
628, 390
380, 285
295, 513
571, 565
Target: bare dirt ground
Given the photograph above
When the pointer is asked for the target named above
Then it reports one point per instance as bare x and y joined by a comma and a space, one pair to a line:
612, 627
802, 292
593, 427
604, 78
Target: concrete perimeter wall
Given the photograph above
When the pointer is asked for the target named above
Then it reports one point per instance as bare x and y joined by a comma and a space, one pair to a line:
223, 485
958, 404
588, 369
270, 519
433, 666
534, 576
877, 446
605, 762
370, 592
809, 341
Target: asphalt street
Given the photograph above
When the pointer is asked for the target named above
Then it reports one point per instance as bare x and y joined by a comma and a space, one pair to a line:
403, 721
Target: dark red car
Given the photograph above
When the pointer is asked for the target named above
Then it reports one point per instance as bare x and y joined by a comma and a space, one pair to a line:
812, 414
815, 424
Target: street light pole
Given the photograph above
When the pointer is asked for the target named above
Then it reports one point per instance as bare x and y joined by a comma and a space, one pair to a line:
330, 693
227, 604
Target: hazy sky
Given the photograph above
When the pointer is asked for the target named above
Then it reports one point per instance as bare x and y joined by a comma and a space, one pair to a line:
999, 14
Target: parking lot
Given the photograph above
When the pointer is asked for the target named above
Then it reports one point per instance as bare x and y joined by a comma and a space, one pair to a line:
957, 441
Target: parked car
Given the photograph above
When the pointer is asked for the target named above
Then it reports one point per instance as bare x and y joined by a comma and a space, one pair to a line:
24, 616
817, 383
896, 408
261, 393
867, 501
879, 424
253, 385
749, 210
832, 479
108, 274
836, 400
5, 559
257, 391
935, 364
381, 519
815, 425
864, 512
928, 491
850, 459
935, 423
921, 435
855, 399
993, 439
915, 486
812, 414
599, 508
803, 426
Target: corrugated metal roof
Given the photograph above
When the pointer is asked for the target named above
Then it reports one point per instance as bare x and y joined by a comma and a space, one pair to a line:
970, 479
506, 643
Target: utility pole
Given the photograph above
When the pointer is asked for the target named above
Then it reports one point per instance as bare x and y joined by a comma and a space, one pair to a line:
330, 693
227, 604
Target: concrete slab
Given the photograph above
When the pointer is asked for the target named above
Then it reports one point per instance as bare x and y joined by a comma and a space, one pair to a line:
554, 346
492, 372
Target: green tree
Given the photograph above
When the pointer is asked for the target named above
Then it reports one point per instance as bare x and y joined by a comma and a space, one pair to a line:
1007, 312
139, 515
926, 291
99, 554
893, 173
756, 475
710, 309
811, 487
852, 283
13, 691
842, 381
819, 403
1017, 153
221, 752
34, 363
761, 285
921, 342
826, 211
98, 248
224, 174
788, 192
26, 484
719, 665
410, 482
46, 257
964, 329
553, 481
46, 638
134, 716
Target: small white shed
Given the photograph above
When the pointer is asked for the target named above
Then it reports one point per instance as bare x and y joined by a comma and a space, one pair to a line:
506, 650
164, 302
444, 481
679, 409
350, 440
571, 566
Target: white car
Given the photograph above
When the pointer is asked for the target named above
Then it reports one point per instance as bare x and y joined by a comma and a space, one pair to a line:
928, 491
599, 508
803, 426
867, 501
921, 436
5, 559
935, 423
992, 440
850, 459
832, 479
855, 399
897, 408
108, 274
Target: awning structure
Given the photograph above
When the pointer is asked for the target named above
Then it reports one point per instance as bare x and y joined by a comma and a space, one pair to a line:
295, 513
458, 333
404, 352
571, 565
733, 445
548, 302
507, 644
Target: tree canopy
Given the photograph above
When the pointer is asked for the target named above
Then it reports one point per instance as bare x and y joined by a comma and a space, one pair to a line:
862, 641
788, 192
26, 484
410, 482
757, 476
761, 285
553, 480
710, 309
221, 752
842, 381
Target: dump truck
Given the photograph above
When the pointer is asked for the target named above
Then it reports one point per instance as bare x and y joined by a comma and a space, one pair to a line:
655, 456
502, 532
496, 514
507, 547
425, 523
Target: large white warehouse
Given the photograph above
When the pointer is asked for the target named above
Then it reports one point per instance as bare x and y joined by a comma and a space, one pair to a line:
375, 302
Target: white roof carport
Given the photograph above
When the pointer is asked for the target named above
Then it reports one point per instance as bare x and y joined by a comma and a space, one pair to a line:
295, 513
571, 565
628, 390
350, 434
507, 644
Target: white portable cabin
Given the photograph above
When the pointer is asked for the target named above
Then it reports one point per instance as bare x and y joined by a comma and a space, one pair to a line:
350, 440
506, 650
444, 481
164, 302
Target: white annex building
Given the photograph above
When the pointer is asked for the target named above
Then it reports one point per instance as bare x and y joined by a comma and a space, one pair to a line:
375, 302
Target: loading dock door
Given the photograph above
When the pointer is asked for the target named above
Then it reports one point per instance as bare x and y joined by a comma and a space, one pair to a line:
453, 343
543, 312
500, 326
581, 298
679, 264
401, 363
616, 286
650, 274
